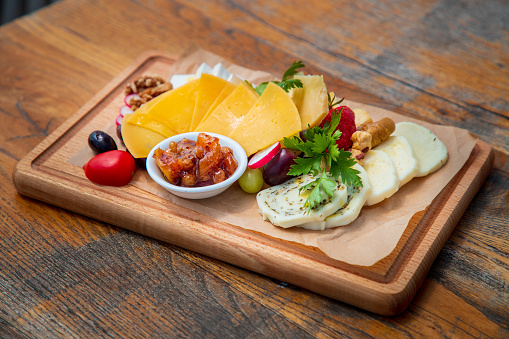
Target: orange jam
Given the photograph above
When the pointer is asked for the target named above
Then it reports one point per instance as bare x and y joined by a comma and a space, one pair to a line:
195, 164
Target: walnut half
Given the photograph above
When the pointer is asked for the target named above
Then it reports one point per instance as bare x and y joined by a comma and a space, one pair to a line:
147, 87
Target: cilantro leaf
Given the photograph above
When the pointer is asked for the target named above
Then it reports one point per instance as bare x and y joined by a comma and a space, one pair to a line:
287, 83
292, 70
321, 154
302, 166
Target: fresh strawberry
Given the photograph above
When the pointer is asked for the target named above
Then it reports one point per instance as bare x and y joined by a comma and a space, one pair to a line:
346, 125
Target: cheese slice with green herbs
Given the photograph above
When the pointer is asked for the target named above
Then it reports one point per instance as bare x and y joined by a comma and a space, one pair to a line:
284, 206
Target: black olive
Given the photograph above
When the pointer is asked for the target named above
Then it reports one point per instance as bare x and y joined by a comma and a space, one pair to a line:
119, 132
100, 142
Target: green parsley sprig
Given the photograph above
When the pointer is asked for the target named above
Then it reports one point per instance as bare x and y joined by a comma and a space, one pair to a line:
287, 82
324, 160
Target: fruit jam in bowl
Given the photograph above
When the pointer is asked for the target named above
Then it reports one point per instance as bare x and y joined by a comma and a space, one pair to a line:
196, 165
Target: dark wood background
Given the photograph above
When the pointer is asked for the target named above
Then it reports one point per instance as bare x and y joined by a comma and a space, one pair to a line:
65, 275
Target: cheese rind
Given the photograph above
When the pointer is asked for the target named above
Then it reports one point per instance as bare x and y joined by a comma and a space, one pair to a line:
431, 153
311, 100
283, 205
272, 118
402, 155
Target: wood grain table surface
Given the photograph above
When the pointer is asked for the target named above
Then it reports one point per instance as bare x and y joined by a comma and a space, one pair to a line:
63, 275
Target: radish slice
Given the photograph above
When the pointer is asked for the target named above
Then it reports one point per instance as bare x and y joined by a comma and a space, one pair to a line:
125, 110
263, 156
128, 98
118, 120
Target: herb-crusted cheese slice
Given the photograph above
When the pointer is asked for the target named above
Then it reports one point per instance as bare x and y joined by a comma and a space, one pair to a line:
311, 100
283, 206
357, 197
356, 200
272, 118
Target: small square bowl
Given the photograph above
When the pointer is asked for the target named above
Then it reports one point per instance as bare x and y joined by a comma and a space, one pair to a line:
197, 192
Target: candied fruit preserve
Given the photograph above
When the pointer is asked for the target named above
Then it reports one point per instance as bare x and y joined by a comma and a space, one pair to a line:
194, 164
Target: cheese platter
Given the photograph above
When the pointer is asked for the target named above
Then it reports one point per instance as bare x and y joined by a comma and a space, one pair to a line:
385, 287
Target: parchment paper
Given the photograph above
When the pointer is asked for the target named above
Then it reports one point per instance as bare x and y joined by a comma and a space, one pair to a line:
377, 230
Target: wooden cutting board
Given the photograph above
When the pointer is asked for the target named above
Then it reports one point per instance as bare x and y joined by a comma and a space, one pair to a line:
386, 288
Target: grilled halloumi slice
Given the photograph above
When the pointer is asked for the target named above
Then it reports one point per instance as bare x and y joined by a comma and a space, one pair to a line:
431, 153
283, 205
402, 155
350, 211
382, 176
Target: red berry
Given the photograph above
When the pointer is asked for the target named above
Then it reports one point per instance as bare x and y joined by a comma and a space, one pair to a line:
113, 168
346, 125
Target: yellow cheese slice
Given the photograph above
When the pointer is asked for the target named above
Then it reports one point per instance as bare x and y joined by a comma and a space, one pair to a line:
311, 100
148, 122
145, 108
228, 114
138, 140
175, 110
273, 117
208, 90
227, 90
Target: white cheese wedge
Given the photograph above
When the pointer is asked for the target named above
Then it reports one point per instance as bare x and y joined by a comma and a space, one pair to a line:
382, 176
311, 100
402, 155
350, 211
283, 206
431, 153
362, 116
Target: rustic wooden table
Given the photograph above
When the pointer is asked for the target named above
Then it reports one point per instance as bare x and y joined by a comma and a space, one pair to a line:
65, 275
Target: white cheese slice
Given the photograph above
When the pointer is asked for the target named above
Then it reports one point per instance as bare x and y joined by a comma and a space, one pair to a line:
402, 155
382, 176
431, 153
350, 211
283, 205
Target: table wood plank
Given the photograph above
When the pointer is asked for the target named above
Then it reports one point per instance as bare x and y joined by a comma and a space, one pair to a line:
66, 275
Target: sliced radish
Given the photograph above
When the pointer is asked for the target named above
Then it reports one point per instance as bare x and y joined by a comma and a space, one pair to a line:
263, 156
128, 98
118, 120
125, 110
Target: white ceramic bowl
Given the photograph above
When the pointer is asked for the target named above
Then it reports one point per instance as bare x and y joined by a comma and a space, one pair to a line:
197, 192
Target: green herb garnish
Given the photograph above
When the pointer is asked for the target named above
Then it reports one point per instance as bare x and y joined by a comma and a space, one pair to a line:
322, 155
287, 82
